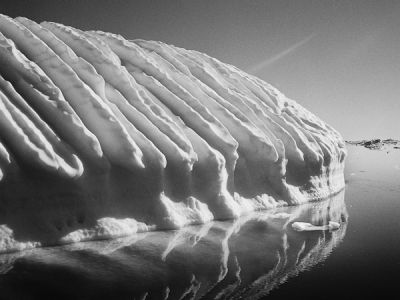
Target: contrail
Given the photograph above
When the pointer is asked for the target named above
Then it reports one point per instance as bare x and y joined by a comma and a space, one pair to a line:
269, 61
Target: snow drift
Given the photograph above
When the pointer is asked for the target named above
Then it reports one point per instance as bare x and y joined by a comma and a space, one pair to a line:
102, 136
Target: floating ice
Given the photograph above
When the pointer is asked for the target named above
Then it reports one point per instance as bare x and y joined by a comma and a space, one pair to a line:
96, 127
305, 226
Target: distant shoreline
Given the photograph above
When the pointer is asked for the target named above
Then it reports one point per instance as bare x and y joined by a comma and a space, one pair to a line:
377, 144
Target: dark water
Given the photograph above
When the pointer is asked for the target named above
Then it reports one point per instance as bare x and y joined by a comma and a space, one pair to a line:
367, 262
257, 256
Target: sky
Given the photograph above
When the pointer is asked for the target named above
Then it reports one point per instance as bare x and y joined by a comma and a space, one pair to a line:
339, 59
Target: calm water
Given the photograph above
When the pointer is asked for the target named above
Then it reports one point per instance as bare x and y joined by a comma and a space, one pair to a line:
256, 256
367, 262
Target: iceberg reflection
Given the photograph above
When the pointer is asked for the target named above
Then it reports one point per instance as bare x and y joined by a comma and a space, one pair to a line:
243, 258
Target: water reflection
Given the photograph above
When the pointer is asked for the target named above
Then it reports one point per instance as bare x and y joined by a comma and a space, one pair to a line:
244, 258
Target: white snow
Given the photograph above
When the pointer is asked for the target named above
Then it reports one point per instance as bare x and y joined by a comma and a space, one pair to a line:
101, 137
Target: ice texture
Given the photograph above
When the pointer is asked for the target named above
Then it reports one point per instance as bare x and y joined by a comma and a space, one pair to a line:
101, 136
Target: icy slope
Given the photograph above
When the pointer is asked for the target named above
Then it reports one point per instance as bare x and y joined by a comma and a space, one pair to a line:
102, 136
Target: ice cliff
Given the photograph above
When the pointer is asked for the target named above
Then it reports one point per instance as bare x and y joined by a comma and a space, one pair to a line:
102, 136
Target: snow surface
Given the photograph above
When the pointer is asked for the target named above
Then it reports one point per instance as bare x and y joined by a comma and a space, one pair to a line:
102, 137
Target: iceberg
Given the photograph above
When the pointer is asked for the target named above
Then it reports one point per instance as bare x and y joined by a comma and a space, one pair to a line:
101, 137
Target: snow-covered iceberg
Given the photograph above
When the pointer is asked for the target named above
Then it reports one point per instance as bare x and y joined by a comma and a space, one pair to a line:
102, 136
